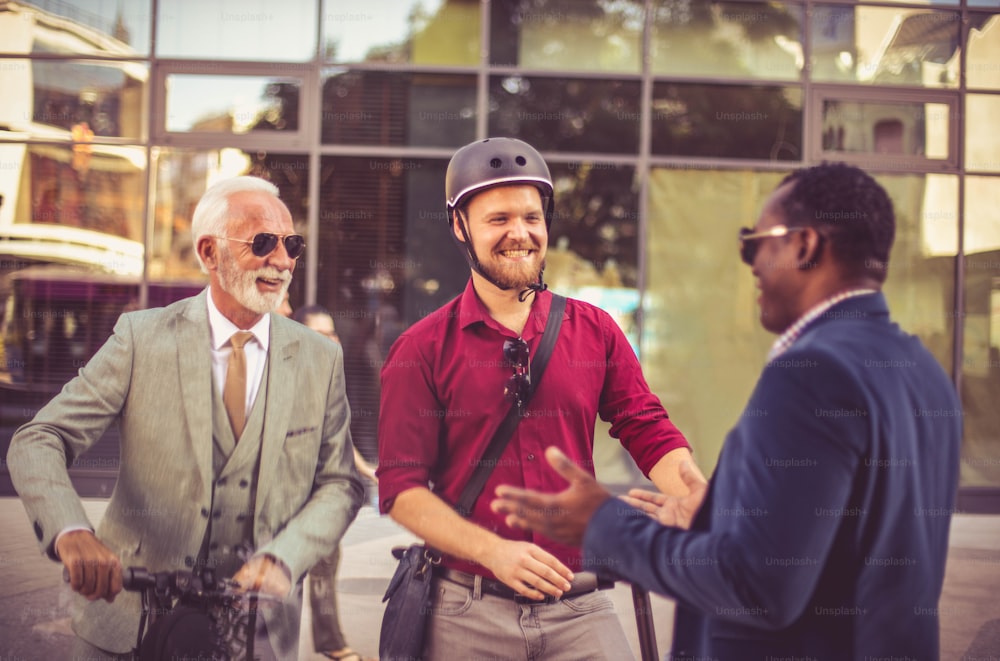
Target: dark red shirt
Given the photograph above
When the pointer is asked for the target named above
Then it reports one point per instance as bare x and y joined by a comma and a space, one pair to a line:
443, 398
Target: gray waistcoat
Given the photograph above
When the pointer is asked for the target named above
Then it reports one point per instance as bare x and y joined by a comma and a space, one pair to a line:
229, 538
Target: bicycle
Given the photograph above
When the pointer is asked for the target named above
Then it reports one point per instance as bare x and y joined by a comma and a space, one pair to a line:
192, 615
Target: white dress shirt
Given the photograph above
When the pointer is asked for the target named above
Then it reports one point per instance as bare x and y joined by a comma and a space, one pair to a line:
255, 349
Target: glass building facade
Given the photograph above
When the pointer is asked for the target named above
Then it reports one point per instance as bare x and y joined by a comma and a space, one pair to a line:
666, 124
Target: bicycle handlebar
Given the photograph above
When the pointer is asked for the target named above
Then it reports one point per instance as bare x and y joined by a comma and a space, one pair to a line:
182, 584
179, 583
175, 584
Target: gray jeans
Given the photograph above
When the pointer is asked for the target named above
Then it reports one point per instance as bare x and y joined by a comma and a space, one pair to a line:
482, 627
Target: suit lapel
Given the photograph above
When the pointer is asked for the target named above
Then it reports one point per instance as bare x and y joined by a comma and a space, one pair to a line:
194, 341
282, 355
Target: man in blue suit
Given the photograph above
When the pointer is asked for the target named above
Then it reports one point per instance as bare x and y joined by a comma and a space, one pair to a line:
824, 531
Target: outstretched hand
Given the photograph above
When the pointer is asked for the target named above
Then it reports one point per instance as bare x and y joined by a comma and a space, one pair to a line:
563, 516
676, 511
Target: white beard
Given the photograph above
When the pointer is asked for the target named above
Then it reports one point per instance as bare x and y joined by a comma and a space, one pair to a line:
242, 285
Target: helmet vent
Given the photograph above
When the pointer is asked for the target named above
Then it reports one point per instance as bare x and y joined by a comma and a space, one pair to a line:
520, 160
496, 163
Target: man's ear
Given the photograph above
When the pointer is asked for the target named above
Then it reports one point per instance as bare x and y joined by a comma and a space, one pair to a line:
456, 218
810, 246
209, 252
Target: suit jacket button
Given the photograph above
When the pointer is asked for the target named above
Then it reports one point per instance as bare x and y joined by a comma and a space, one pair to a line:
188, 561
244, 484
204, 513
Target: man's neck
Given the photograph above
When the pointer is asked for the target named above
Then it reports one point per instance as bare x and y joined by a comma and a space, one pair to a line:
504, 306
240, 317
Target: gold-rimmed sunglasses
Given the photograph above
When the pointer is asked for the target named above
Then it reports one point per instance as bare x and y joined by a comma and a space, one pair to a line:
749, 240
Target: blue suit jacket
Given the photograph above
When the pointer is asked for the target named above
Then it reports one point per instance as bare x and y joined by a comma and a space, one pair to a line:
824, 532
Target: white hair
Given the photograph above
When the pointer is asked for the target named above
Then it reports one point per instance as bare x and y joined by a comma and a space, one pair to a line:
211, 216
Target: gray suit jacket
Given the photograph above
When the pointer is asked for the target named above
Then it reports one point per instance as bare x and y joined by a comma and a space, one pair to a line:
153, 377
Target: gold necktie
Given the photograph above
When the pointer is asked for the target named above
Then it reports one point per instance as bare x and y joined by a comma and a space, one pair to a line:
234, 394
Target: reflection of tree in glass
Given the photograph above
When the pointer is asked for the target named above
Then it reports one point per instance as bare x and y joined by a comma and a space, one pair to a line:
710, 32
281, 108
567, 115
365, 107
596, 219
547, 22
716, 121
399, 50
727, 121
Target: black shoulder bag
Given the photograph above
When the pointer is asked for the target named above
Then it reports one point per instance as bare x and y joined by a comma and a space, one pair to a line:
409, 593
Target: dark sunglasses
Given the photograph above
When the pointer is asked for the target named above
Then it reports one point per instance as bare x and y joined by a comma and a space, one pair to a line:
519, 384
750, 240
263, 244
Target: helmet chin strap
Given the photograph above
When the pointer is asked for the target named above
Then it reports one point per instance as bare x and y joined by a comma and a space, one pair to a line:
533, 288
470, 257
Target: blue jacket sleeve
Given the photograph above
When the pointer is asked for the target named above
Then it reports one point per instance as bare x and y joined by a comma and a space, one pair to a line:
782, 484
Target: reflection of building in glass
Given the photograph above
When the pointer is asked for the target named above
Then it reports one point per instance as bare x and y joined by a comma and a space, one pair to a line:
665, 124
75, 180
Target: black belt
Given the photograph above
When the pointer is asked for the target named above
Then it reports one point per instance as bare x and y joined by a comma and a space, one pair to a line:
583, 583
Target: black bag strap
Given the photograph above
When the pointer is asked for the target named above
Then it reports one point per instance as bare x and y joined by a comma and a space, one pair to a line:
506, 429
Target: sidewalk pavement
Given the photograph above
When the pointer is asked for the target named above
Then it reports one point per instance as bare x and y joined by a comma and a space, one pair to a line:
34, 612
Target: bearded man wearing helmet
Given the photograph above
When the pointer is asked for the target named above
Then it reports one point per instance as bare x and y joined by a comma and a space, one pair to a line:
500, 592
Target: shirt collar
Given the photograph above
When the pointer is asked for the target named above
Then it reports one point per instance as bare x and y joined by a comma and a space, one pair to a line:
471, 310
223, 329
787, 339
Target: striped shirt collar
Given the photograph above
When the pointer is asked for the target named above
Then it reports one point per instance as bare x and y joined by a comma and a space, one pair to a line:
787, 339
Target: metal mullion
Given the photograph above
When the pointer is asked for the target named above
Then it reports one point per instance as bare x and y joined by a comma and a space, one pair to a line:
380, 151
642, 166
311, 111
59, 57
234, 67
286, 143
700, 163
508, 70
399, 68
151, 96
810, 118
483, 72
958, 328
590, 157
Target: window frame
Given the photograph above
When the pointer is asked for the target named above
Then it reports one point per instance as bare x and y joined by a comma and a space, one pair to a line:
904, 163
300, 139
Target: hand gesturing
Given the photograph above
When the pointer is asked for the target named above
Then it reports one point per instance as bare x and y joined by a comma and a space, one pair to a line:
672, 510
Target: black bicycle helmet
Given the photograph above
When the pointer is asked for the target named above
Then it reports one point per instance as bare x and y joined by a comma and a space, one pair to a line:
496, 162
489, 163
